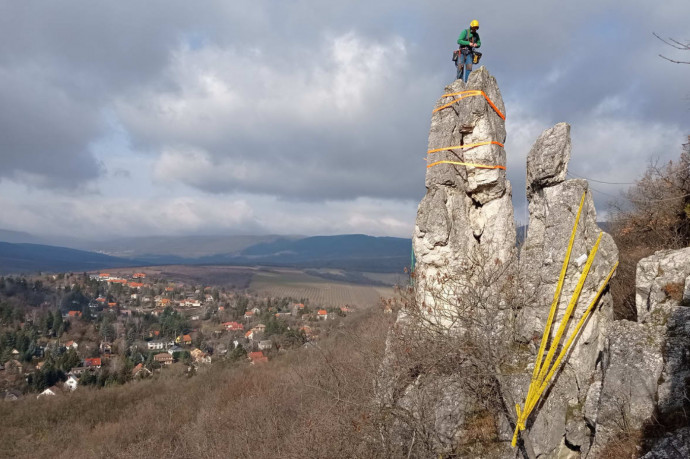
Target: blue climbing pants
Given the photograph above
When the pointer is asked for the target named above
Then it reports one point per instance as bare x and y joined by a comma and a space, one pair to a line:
464, 61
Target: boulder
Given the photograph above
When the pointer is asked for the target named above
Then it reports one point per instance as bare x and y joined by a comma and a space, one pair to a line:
629, 390
674, 445
661, 283
547, 161
646, 385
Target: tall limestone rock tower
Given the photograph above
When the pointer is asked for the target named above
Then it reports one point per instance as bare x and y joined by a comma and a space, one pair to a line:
468, 205
464, 347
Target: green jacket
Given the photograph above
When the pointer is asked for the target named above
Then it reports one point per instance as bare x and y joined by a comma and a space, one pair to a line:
464, 38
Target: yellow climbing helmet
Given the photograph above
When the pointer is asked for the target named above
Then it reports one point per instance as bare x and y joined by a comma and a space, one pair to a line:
474, 23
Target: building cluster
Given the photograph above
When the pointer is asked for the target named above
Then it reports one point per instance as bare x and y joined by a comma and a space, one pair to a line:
149, 324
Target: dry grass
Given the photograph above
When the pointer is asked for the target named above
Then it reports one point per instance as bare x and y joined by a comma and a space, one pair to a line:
625, 446
313, 402
281, 283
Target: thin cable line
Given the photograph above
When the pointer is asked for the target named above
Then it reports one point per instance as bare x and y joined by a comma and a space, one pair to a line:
640, 200
685, 170
599, 181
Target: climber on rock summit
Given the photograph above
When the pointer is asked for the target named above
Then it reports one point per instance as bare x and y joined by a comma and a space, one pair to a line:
465, 56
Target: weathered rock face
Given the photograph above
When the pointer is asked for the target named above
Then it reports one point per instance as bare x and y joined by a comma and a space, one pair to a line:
464, 206
647, 380
672, 446
627, 397
465, 215
548, 159
474, 291
662, 283
553, 206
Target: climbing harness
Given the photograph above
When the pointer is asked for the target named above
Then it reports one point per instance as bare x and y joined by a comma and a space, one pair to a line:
544, 372
463, 95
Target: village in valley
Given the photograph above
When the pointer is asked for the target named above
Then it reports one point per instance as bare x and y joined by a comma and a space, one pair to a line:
61, 332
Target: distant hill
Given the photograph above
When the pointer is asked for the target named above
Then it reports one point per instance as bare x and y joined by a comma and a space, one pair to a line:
178, 246
351, 251
23, 258
355, 252
18, 237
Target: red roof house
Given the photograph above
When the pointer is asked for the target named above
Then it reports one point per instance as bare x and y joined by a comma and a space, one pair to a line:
233, 326
257, 357
94, 362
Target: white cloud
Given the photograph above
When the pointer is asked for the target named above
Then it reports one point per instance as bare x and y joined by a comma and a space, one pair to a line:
99, 217
307, 116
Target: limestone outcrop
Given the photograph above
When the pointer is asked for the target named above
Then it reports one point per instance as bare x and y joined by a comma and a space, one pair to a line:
464, 207
646, 386
465, 215
465, 343
553, 205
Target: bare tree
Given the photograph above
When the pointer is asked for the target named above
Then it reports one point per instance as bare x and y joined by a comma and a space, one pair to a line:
653, 215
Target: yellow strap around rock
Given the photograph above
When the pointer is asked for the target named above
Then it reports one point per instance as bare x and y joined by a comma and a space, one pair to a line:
460, 147
467, 146
466, 94
458, 163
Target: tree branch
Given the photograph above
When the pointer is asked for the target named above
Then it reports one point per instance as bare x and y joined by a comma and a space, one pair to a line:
674, 61
675, 43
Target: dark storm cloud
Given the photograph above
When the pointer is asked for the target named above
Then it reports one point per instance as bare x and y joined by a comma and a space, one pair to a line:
309, 99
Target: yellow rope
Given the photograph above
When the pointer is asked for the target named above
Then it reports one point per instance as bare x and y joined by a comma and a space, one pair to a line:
556, 298
544, 372
530, 404
577, 330
569, 310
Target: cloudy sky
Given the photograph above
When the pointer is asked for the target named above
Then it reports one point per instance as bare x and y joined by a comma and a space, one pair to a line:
309, 117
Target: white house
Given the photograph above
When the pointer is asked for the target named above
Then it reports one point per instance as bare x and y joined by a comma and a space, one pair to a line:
72, 383
49, 391
155, 345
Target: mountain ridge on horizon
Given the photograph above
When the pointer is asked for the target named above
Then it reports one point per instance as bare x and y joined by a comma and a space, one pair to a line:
355, 252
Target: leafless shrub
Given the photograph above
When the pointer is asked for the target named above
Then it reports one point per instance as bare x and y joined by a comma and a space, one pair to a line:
442, 385
654, 215
624, 446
